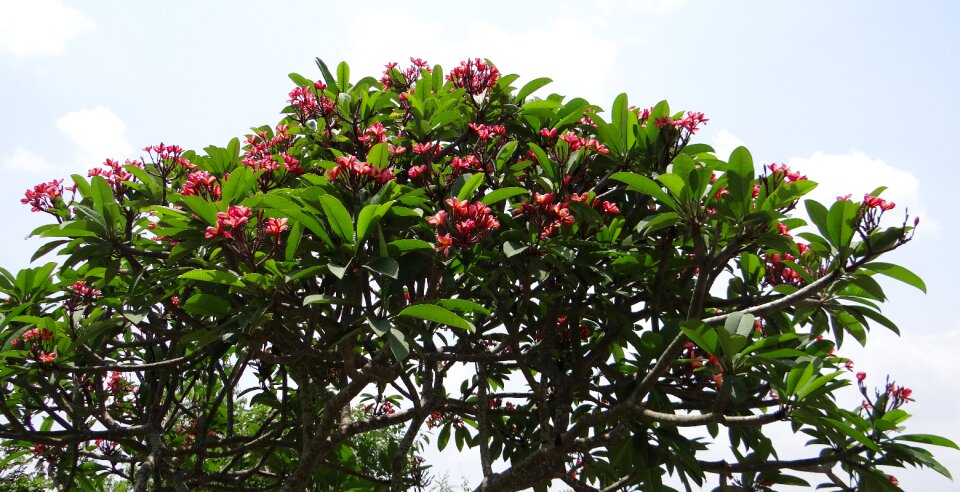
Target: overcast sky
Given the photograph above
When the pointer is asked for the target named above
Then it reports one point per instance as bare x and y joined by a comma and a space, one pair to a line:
855, 94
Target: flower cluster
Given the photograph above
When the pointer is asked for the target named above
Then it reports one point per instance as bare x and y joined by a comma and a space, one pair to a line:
374, 134
166, 156
44, 196
229, 222
778, 273
356, 174
83, 293
871, 210
202, 184
466, 224
38, 341
577, 142
475, 76
696, 360
427, 148
265, 152
401, 80
190, 432
468, 163
486, 132
437, 419
691, 122
546, 214
783, 172
307, 106
115, 174
117, 385
379, 409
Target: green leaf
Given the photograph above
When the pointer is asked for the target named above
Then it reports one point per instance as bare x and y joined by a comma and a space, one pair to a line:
207, 305
462, 305
380, 326
501, 194
293, 241
818, 215
237, 185
675, 185
470, 186
328, 77
339, 218
852, 433
740, 174
513, 248
701, 334
657, 222
206, 210
385, 265
404, 245
337, 270
646, 186
300, 80
379, 156
368, 217
840, 223
214, 276
343, 76
505, 153
530, 88
740, 324
398, 344
811, 386
444, 437
437, 314
548, 166
928, 439
897, 272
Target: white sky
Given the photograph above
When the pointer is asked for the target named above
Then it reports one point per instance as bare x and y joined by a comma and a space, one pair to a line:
854, 94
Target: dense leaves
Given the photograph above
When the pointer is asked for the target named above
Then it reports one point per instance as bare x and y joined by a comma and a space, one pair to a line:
298, 309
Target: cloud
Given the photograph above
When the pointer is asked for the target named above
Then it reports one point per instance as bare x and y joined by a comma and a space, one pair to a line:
856, 173
25, 160
724, 142
39, 27
651, 6
575, 54
98, 134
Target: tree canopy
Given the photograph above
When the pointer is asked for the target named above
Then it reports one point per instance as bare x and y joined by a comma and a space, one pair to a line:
435, 257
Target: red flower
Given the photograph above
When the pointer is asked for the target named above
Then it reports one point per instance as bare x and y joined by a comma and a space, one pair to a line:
874, 202
467, 163
276, 226
415, 171
548, 132
438, 219
893, 480
423, 148
444, 243
610, 208
47, 358
861, 376
782, 229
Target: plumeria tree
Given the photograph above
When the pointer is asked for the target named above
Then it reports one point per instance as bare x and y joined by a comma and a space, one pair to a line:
437, 257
